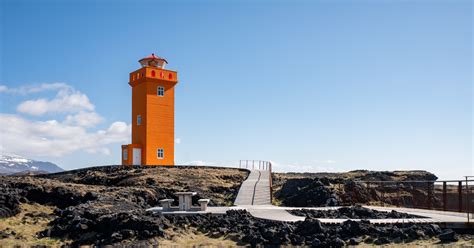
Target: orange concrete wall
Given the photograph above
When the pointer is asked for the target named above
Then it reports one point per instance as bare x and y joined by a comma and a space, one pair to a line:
160, 122
129, 147
157, 112
139, 107
154, 73
125, 161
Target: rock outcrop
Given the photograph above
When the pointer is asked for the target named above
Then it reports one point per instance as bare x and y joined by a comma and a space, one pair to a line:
329, 189
354, 212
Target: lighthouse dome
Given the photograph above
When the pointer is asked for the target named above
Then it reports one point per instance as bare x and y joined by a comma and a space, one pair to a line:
153, 61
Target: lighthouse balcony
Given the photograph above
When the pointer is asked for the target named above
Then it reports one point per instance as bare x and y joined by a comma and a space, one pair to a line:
150, 72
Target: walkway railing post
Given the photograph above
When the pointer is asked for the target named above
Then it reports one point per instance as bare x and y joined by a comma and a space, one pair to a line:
398, 194
460, 195
445, 187
271, 184
467, 201
430, 195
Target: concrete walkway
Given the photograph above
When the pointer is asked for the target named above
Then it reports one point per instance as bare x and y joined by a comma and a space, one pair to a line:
255, 190
254, 197
275, 213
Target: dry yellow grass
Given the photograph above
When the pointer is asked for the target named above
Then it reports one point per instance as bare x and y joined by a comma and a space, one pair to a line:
26, 226
193, 238
425, 243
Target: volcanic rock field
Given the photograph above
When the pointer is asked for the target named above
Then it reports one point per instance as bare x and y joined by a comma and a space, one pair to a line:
106, 206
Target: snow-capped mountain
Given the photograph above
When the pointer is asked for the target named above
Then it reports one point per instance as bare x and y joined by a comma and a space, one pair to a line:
10, 163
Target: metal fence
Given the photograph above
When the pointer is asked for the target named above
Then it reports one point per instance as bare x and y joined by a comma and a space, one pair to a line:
445, 195
255, 164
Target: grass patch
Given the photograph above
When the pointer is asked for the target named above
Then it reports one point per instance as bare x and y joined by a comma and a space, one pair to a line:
23, 227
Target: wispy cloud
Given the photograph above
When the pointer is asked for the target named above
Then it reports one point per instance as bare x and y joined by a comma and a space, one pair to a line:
3, 88
327, 165
198, 162
36, 88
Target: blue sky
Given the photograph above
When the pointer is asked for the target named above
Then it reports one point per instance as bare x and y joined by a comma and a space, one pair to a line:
310, 85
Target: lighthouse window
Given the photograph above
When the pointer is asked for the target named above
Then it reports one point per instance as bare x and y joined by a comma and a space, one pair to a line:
160, 153
161, 91
125, 154
139, 120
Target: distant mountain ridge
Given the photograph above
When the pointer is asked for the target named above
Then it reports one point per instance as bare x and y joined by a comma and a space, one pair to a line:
10, 164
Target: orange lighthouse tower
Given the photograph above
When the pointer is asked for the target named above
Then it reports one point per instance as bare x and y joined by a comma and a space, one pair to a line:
152, 114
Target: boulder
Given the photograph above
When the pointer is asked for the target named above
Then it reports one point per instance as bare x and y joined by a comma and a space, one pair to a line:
448, 236
381, 241
9, 202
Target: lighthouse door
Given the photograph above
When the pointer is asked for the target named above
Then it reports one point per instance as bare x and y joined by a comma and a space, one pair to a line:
137, 156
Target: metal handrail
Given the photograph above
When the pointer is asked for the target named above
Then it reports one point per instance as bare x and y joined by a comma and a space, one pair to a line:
461, 193
468, 192
411, 181
255, 164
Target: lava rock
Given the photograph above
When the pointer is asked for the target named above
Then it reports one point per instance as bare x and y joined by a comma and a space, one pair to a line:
354, 212
9, 203
448, 236
381, 241
306, 192
354, 241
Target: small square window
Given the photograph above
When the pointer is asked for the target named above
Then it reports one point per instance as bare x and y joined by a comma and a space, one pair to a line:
125, 154
139, 120
160, 153
160, 91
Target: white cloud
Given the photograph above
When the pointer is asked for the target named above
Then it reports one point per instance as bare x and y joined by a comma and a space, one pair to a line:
198, 163
29, 89
45, 87
84, 119
3, 88
313, 166
53, 138
177, 141
57, 137
67, 100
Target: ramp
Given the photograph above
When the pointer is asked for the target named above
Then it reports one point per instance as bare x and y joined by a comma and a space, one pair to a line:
255, 190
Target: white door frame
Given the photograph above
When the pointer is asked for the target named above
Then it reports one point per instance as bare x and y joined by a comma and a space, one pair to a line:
137, 156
